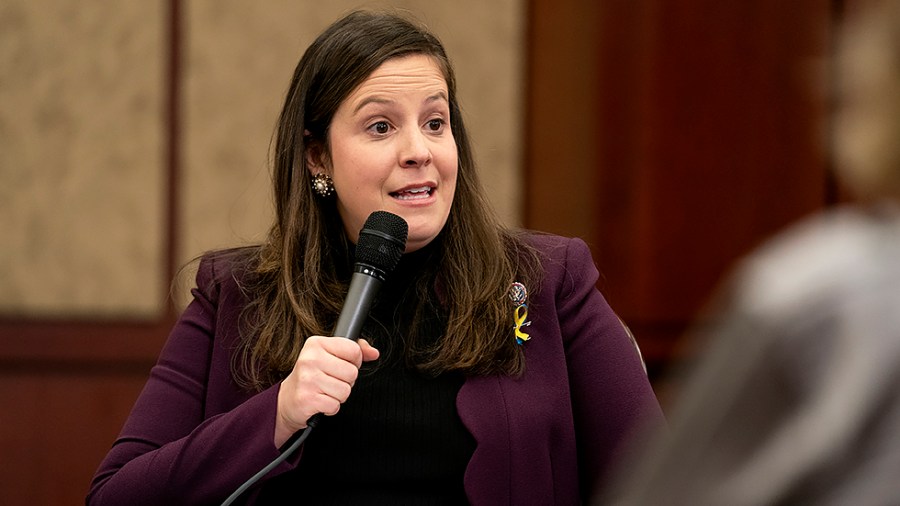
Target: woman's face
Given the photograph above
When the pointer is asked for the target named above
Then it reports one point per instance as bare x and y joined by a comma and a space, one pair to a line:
391, 149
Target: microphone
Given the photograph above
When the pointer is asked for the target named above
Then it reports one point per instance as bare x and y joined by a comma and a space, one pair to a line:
379, 247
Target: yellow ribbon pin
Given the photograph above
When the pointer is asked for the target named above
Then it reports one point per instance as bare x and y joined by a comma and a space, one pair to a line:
519, 316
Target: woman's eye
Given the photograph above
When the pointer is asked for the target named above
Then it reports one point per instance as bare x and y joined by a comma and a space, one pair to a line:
435, 125
381, 127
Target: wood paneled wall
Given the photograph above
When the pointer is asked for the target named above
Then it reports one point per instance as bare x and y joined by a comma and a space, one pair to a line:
673, 137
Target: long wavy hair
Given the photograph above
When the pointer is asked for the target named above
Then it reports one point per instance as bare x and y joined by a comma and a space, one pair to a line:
293, 279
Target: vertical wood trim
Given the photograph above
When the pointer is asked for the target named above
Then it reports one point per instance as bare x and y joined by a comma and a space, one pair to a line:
560, 122
173, 146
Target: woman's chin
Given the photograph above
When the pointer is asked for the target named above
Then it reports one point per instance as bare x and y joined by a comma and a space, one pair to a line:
417, 240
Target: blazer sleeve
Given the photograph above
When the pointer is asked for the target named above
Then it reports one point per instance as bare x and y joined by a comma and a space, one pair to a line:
170, 449
612, 399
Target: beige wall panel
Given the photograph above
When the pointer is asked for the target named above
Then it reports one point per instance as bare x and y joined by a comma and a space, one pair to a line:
240, 57
81, 158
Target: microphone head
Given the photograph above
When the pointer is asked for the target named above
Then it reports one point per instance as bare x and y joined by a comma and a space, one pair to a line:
382, 241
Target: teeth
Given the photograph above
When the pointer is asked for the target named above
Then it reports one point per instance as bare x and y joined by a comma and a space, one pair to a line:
414, 193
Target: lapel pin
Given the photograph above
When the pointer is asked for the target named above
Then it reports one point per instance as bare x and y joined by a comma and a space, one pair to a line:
519, 296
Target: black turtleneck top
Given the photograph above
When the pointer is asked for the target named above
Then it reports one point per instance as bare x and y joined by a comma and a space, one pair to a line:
398, 439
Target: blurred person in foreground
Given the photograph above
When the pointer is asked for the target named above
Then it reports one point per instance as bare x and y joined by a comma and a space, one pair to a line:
796, 399
490, 370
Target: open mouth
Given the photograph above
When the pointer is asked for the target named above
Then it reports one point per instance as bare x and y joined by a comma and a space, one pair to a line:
422, 192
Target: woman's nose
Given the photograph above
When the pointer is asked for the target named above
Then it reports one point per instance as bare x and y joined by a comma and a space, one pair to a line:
415, 151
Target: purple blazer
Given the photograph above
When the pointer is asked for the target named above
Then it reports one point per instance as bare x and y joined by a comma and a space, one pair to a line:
547, 437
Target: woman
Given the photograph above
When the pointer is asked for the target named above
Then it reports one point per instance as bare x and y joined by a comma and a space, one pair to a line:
450, 403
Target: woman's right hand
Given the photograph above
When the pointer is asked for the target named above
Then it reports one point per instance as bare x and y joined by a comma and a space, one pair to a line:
320, 382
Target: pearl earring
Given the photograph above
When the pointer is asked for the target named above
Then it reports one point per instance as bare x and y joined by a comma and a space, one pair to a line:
323, 185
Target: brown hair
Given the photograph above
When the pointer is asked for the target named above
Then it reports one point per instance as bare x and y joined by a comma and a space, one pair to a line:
292, 279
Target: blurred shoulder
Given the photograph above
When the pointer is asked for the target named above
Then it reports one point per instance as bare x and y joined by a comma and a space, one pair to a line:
826, 256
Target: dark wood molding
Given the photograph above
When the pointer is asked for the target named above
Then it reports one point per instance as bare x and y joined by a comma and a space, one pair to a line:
80, 341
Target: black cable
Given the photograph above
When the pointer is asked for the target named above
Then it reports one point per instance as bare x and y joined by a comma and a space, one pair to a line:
278, 460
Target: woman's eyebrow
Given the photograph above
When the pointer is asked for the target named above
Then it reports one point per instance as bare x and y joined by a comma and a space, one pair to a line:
441, 95
371, 100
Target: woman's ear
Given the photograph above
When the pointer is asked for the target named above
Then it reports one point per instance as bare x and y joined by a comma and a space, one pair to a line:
315, 155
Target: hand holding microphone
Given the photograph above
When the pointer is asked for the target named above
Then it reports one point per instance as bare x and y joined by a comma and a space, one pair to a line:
320, 382
327, 368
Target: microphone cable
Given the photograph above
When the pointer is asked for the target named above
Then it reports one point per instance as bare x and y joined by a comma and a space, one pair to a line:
272, 465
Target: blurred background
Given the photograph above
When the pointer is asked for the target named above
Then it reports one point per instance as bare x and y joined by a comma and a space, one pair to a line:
673, 137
